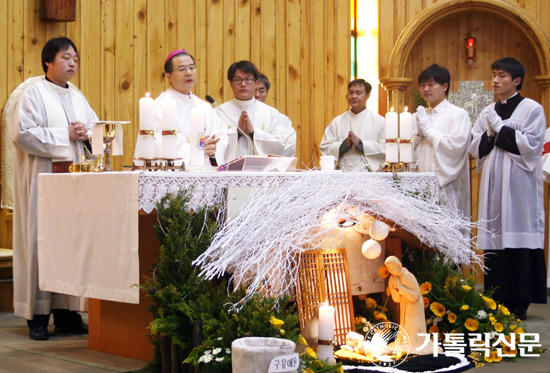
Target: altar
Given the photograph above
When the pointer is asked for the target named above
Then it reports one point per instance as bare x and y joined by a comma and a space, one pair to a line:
100, 241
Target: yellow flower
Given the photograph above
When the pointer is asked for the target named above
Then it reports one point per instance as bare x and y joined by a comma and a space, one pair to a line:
311, 353
471, 324
519, 331
513, 327
276, 323
308, 371
388, 291
504, 310
425, 288
454, 331
433, 329
340, 370
358, 320
383, 272
370, 303
499, 327
426, 302
438, 309
302, 341
464, 307
466, 288
490, 303
452, 318
518, 320
507, 350
282, 332
493, 357
381, 316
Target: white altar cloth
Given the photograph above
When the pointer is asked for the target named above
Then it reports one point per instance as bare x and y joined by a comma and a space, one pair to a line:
88, 223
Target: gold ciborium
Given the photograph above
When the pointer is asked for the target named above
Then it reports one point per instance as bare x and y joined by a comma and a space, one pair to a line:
109, 132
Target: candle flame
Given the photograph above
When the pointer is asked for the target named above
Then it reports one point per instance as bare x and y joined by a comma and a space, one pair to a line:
147, 94
391, 109
406, 109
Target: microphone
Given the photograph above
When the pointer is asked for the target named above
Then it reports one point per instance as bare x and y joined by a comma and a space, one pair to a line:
211, 100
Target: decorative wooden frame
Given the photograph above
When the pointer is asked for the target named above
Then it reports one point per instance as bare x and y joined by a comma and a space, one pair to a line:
323, 275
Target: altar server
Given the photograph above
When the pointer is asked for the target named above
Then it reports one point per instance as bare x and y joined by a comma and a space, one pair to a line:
442, 138
507, 143
262, 89
49, 128
261, 129
356, 138
181, 73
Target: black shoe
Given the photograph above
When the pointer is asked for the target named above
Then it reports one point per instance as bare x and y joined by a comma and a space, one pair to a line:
39, 333
521, 314
77, 328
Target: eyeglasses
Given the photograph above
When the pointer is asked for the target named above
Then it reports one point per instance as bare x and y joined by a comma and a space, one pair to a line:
190, 68
239, 81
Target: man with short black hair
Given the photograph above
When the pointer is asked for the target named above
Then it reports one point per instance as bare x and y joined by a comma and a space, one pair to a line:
507, 143
443, 138
260, 130
356, 138
49, 131
181, 73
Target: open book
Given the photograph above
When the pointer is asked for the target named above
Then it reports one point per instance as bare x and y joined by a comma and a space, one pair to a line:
260, 163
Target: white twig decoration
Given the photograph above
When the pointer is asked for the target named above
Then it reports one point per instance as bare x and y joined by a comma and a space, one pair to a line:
260, 247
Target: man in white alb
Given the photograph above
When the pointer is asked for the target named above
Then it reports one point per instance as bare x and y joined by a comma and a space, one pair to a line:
356, 138
260, 130
443, 138
181, 73
49, 133
507, 143
262, 89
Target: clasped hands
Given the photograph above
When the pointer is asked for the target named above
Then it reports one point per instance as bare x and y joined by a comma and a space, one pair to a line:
78, 131
494, 122
245, 124
424, 122
352, 139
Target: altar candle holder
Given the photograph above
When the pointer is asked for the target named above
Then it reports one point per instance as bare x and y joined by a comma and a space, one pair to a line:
170, 165
148, 164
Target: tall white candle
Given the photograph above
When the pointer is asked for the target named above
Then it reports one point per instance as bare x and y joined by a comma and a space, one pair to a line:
406, 152
197, 139
392, 152
169, 143
392, 125
326, 332
147, 122
405, 124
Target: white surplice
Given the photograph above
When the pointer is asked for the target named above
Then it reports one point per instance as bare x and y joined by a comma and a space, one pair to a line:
290, 143
445, 151
511, 203
369, 127
40, 121
270, 134
184, 103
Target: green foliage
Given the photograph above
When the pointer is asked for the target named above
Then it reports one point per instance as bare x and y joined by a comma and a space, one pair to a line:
184, 235
418, 99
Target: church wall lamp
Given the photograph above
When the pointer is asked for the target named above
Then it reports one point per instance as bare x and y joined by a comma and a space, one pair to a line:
471, 46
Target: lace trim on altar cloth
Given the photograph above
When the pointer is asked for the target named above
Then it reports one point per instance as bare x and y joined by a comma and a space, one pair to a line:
208, 187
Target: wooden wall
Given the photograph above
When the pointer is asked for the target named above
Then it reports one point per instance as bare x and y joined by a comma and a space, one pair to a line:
301, 45
443, 43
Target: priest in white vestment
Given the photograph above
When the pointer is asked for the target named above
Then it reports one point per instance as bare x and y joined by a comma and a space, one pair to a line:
262, 89
442, 138
181, 73
253, 127
49, 130
507, 143
356, 138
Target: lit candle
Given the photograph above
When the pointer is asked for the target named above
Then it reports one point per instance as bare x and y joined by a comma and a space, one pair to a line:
147, 122
405, 125
197, 139
169, 143
326, 332
391, 124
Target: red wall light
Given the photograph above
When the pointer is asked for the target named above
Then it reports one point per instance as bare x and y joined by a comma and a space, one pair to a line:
471, 47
